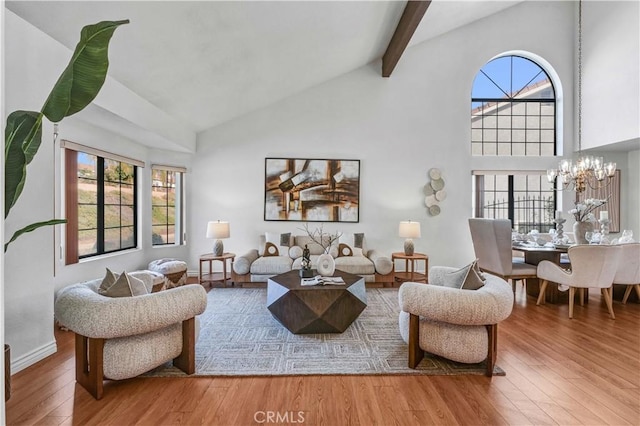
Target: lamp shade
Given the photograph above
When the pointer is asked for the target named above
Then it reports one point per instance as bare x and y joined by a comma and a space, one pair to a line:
409, 229
218, 229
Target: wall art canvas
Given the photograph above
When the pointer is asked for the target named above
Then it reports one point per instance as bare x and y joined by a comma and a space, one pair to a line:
312, 190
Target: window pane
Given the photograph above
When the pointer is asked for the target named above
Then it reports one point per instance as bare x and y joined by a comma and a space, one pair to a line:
125, 173
87, 216
164, 206
158, 215
547, 149
111, 216
87, 191
504, 149
126, 215
87, 166
159, 235
87, 242
518, 149
128, 234
111, 239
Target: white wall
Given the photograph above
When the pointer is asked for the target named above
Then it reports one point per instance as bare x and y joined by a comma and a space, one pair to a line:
611, 72
398, 127
33, 270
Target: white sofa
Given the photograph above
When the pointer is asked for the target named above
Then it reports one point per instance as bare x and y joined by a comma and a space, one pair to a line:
256, 267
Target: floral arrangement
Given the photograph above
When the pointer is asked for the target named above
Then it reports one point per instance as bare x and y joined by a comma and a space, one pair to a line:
584, 210
318, 236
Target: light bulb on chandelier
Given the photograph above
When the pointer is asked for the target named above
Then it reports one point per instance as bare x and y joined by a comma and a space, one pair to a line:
586, 171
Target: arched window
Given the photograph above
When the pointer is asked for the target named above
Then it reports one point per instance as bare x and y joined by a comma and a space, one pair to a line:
513, 109
513, 114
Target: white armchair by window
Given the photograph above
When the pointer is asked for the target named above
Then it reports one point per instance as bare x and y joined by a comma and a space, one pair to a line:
122, 337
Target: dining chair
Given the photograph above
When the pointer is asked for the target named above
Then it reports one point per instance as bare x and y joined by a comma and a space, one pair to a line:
592, 266
628, 272
492, 246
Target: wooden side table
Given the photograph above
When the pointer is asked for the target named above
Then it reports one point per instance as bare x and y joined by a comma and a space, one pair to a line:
212, 277
410, 273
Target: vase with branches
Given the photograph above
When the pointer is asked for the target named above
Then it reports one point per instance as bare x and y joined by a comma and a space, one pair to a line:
318, 236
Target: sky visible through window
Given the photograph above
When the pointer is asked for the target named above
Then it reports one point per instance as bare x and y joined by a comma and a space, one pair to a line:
504, 77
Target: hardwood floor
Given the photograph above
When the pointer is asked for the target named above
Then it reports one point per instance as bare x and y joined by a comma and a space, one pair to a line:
559, 371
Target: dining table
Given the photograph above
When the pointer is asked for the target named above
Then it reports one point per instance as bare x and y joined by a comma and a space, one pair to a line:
535, 253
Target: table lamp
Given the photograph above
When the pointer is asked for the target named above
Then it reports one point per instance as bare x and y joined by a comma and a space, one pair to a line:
409, 230
218, 230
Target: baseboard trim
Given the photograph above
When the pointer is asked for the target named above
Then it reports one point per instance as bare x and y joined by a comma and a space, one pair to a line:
34, 356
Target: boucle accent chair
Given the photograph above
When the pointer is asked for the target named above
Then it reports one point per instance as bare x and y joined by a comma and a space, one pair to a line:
592, 266
460, 325
492, 246
122, 337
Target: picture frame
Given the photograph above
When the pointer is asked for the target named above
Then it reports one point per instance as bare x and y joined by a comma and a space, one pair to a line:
311, 190
611, 193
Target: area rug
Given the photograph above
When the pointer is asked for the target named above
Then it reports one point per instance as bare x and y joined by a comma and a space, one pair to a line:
239, 337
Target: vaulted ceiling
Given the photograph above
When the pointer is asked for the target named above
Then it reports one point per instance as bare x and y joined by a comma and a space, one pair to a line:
207, 62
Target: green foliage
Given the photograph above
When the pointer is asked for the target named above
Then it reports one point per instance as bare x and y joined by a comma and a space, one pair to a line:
76, 87
33, 227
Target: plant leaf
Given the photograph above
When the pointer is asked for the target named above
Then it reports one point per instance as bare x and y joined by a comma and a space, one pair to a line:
22, 138
33, 227
83, 78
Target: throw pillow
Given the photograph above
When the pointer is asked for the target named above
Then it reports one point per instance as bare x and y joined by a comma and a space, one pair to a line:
476, 268
108, 280
270, 249
344, 250
281, 241
354, 241
125, 286
464, 278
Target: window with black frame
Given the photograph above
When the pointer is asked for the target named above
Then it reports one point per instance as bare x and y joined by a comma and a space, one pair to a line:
513, 114
513, 109
101, 204
528, 200
167, 200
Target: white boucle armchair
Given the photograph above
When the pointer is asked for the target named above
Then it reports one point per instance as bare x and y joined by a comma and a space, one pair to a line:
123, 337
460, 325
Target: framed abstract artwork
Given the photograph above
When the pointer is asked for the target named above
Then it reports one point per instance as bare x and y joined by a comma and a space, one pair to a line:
311, 190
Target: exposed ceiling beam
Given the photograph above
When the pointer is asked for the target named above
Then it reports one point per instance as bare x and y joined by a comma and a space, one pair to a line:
411, 17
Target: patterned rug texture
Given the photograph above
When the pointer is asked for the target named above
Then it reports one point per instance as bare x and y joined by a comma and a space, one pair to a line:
239, 337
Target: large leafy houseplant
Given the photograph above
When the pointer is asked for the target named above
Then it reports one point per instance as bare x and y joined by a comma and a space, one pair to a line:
76, 87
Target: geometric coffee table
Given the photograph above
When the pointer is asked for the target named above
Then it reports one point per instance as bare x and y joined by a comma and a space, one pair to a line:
318, 308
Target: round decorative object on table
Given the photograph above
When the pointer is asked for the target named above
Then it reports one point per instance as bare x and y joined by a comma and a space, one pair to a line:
434, 210
437, 184
441, 195
326, 264
580, 229
435, 174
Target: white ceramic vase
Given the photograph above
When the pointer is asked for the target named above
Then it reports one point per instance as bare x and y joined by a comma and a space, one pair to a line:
326, 265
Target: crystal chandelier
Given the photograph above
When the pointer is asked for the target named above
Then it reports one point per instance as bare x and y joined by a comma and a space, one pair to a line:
587, 170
